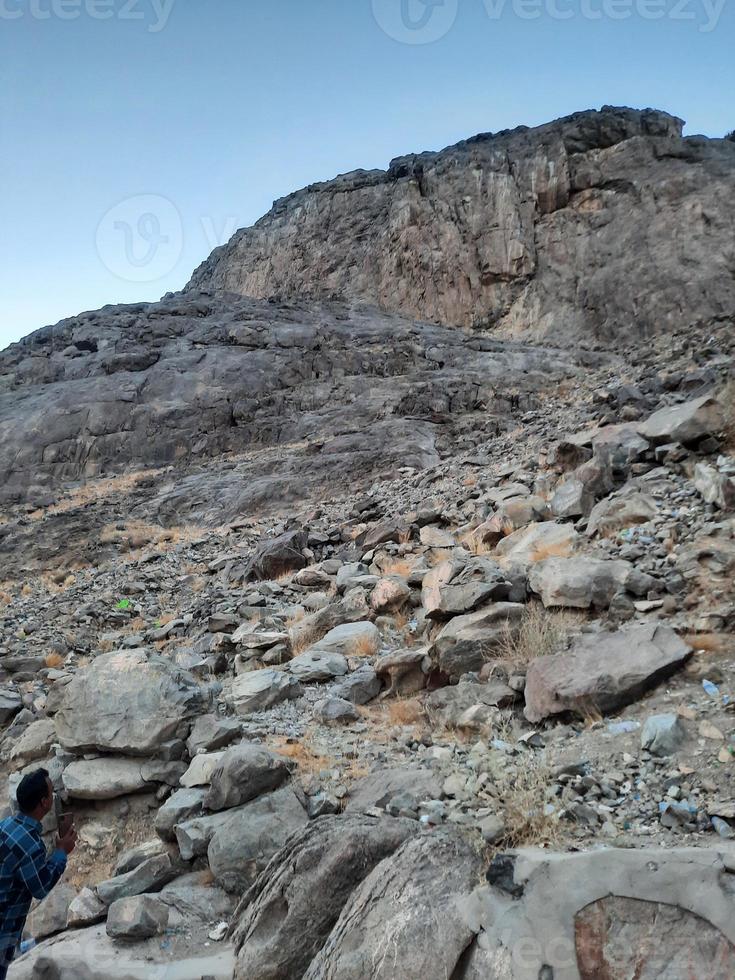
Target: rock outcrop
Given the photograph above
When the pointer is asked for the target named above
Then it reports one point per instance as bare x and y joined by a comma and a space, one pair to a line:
599, 226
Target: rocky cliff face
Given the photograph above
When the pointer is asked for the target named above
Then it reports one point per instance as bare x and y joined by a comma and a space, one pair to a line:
194, 377
596, 227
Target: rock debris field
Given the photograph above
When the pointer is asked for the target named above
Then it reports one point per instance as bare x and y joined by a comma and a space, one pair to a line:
362, 647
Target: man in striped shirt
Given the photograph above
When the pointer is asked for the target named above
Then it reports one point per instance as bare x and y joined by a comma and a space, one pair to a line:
26, 871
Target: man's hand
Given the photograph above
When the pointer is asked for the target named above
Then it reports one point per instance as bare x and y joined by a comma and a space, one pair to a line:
68, 840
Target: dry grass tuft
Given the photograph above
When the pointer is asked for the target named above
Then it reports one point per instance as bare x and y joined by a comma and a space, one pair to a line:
524, 798
540, 634
708, 642
5, 598
307, 760
363, 646
405, 712
54, 660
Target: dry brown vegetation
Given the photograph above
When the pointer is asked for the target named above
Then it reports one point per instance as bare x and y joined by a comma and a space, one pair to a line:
554, 549
540, 634
707, 642
302, 753
363, 646
94, 491
397, 566
54, 660
524, 798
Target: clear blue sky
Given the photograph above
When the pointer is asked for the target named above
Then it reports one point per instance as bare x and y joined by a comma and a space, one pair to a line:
221, 106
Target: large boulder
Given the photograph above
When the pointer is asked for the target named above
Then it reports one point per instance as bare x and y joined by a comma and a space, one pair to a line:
103, 779
379, 788
578, 583
461, 584
262, 689
127, 703
278, 556
615, 513
407, 917
249, 836
686, 423
603, 672
317, 665
466, 642
140, 917
538, 541
244, 772
280, 928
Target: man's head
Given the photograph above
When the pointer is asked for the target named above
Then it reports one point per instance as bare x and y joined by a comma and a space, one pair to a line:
35, 794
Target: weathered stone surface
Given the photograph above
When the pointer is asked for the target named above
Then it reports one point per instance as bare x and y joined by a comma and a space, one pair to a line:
103, 779
461, 584
571, 499
278, 556
50, 916
136, 918
125, 702
405, 671
466, 642
148, 876
381, 786
615, 513
514, 222
538, 541
35, 742
578, 583
348, 640
360, 687
262, 689
335, 711
178, 808
211, 732
317, 664
685, 423
663, 734
715, 487
10, 704
279, 926
201, 769
243, 773
449, 706
603, 672
249, 836
390, 593
428, 879
85, 910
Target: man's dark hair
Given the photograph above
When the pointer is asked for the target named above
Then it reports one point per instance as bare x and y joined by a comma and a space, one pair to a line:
31, 790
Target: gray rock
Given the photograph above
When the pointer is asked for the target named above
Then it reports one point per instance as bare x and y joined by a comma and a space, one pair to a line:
50, 916
460, 585
685, 423
349, 639
103, 778
85, 910
10, 704
211, 732
335, 711
279, 556
405, 671
127, 703
663, 734
279, 927
360, 687
262, 689
35, 742
149, 876
578, 583
571, 499
466, 642
603, 672
249, 836
379, 788
317, 665
616, 513
201, 769
538, 541
178, 808
243, 773
429, 879
141, 917
715, 487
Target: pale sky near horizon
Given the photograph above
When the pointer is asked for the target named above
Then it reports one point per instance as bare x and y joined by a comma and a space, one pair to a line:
136, 135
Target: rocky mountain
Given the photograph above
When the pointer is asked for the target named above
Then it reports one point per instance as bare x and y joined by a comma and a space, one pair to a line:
364, 647
598, 228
